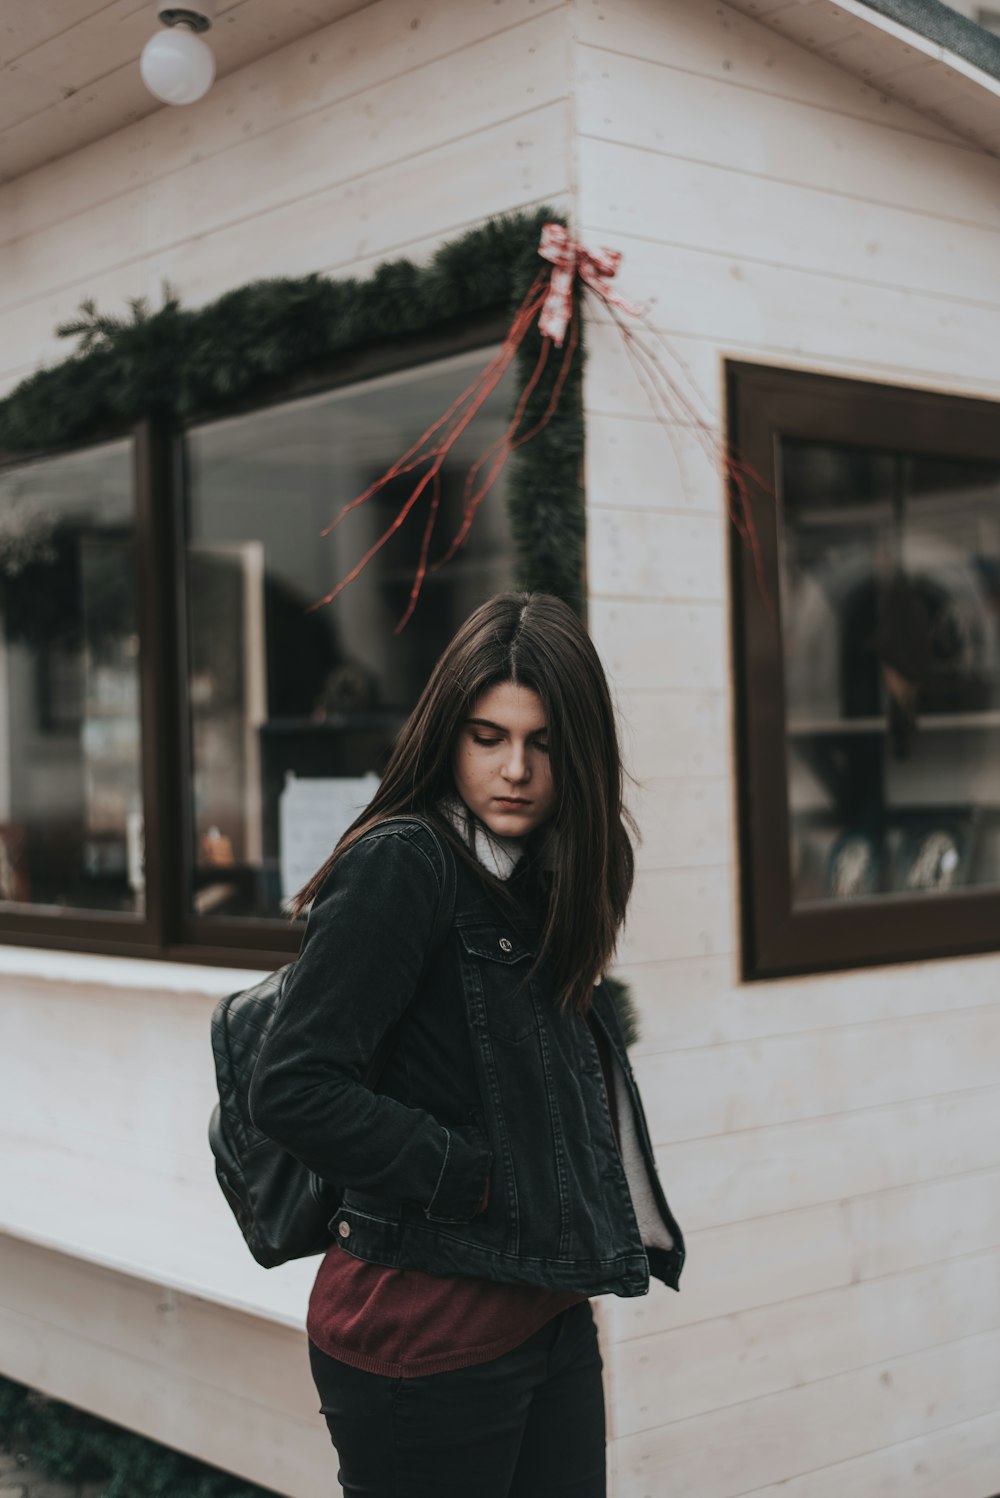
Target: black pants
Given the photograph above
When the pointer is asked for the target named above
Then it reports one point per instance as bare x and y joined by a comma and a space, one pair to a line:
529, 1424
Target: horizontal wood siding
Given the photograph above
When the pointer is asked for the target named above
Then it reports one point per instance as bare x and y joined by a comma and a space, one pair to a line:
163, 1364
831, 1145
385, 132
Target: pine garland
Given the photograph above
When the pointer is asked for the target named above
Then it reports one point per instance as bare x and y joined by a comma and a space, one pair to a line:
176, 362
73, 1447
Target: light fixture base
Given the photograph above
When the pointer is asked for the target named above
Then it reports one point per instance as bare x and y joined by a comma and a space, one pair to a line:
198, 16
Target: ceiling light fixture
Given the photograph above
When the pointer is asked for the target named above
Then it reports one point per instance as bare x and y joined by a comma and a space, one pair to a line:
176, 65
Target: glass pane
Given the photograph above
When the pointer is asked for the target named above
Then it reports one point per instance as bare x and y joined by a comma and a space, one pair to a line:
70, 784
890, 596
293, 712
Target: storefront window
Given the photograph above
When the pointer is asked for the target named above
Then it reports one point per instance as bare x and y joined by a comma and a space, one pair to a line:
70, 785
186, 729
890, 600
867, 639
293, 711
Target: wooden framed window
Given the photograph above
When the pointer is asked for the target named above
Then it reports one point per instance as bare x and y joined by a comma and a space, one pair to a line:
183, 737
868, 672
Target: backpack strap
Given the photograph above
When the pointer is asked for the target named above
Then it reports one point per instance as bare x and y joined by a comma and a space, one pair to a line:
446, 904
443, 918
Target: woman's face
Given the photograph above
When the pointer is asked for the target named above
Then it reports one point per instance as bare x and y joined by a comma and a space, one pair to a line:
501, 761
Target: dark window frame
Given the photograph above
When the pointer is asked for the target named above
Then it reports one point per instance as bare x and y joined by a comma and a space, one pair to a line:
167, 931
765, 404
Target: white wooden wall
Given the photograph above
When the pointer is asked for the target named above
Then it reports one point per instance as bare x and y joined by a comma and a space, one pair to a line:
830, 1145
380, 135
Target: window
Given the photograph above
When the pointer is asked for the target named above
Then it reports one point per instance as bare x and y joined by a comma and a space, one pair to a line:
156, 593
293, 713
868, 673
70, 753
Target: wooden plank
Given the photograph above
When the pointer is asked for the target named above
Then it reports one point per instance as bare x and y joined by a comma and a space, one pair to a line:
220, 1425
637, 462
754, 1084
678, 913
271, 169
330, 231
643, 554
103, 90
957, 1462
73, 58
718, 42
732, 1451
35, 23
343, 61
147, 1227
81, 1046
701, 1002
695, 1369
782, 1256
186, 1337
674, 733
807, 1162
661, 645
684, 822
900, 61
822, 28
741, 201
616, 391
611, 386
726, 298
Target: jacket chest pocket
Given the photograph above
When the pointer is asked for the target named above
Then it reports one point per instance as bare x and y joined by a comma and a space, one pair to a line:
498, 962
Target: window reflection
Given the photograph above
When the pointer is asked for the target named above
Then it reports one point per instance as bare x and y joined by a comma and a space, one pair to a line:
70, 802
293, 712
891, 611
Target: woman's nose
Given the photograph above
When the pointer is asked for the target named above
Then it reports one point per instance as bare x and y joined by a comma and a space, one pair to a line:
516, 767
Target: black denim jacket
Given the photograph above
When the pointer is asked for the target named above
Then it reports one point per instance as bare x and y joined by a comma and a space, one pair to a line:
488, 1081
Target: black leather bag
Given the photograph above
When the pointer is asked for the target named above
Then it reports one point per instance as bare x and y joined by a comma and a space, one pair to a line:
282, 1208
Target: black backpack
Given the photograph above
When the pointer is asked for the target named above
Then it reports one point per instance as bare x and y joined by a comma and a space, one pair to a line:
283, 1208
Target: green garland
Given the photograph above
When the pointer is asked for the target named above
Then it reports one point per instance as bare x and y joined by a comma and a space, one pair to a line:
176, 362
73, 1447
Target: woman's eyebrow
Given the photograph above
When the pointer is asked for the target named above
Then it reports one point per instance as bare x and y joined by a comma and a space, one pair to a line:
498, 727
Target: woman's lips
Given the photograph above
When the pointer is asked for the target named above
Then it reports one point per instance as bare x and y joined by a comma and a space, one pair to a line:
512, 801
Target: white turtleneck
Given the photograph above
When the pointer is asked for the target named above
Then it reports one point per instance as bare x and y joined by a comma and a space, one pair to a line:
500, 855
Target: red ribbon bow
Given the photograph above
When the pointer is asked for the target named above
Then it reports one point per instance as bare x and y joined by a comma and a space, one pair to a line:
569, 259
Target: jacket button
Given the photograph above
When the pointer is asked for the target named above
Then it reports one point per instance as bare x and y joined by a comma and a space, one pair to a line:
506, 945
344, 1229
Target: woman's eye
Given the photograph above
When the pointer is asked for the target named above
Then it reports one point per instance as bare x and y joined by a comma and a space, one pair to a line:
543, 747
489, 743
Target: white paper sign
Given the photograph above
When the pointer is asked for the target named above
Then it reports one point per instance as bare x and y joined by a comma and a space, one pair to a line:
312, 816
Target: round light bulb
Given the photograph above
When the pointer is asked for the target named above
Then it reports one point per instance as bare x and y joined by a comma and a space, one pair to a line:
177, 66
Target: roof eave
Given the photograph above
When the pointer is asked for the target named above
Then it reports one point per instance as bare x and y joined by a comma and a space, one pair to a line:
897, 60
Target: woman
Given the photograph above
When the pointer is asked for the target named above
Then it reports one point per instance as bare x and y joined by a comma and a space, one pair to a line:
501, 1173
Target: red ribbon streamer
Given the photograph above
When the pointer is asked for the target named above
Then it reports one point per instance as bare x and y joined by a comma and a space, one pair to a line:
550, 299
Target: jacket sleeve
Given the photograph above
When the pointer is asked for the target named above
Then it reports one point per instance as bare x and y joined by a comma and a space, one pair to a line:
364, 949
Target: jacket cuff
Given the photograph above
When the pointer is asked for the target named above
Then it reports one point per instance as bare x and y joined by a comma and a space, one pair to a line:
465, 1173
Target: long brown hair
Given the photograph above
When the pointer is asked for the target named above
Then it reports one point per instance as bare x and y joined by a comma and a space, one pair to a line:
536, 641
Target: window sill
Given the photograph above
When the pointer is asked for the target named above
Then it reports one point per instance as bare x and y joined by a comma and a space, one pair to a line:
124, 972
164, 1230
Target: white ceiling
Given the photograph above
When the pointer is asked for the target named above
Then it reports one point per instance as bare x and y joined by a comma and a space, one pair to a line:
69, 69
